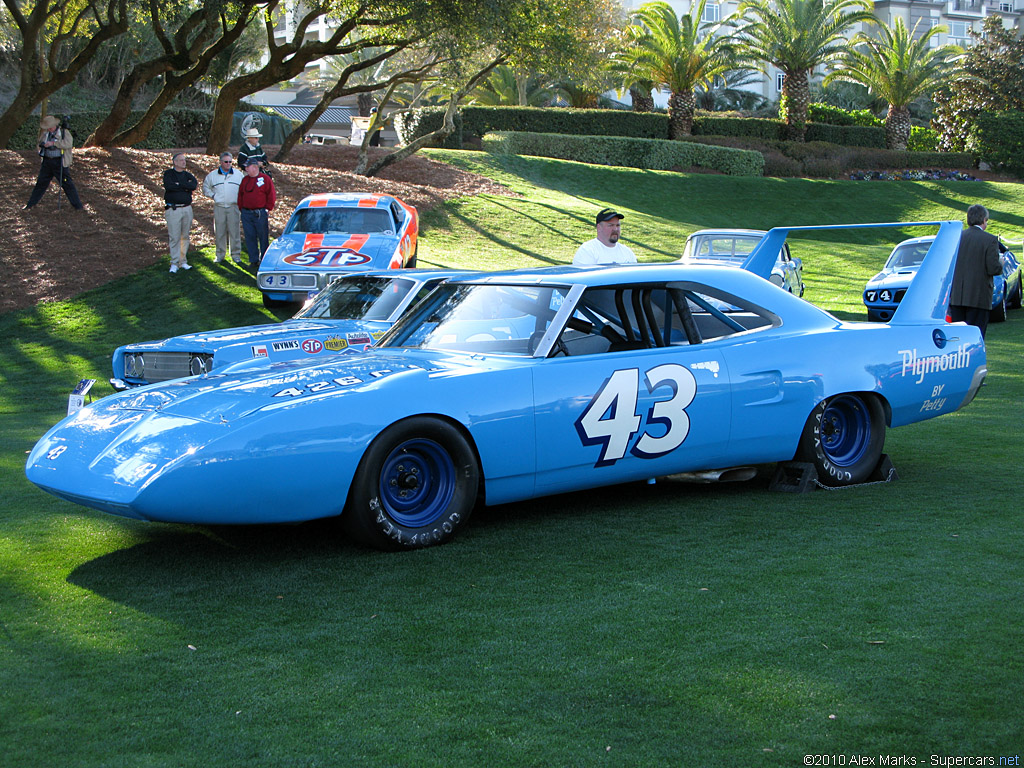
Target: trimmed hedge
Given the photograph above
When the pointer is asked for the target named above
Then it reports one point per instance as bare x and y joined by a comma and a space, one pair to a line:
174, 128
478, 121
826, 113
658, 154
998, 138
847, 135
824, 160
749, 127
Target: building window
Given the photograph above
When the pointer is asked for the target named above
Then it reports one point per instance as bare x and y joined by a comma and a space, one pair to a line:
780, 78
712, 13
1006, 7
958, 29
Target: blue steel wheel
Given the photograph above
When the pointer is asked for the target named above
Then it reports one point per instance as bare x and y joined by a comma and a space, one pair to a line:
843, 438
415, 486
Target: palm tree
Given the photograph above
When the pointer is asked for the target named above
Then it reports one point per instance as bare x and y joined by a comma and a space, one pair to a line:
897, 68
507, 87
796, 36
675, 53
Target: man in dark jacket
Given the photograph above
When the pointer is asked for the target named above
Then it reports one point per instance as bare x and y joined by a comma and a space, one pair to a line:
977, 261
256, 199
179, 185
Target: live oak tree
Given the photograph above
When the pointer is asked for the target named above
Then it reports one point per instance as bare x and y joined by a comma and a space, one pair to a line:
188, 36
57, 39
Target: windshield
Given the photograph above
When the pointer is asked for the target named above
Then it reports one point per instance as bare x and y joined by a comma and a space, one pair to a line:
503, 319
341, 220
359, 298
907, 255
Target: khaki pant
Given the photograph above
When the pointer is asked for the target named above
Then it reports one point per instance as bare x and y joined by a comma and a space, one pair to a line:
226, 220
179, 224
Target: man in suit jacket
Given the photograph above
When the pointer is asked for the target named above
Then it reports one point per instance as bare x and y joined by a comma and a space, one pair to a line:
977, 261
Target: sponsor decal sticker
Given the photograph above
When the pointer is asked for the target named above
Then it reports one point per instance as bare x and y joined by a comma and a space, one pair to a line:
285, 346
923, 366
259, 350
335, 343
327, 257
377, 335
312, 346
358, 337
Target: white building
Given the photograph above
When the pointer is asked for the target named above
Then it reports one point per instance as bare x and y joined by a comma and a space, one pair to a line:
958, 16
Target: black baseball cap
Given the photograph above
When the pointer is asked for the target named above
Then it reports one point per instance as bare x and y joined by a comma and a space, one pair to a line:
607, 214
253, 161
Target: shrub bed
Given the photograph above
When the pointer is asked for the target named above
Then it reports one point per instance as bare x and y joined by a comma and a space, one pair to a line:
174, 128
657, 154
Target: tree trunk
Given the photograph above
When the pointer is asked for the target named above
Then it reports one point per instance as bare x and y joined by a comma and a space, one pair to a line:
796, 97
447, 126
141, 74
176, 82
897, 127
32, 88
681, 107
642, 102
365, 103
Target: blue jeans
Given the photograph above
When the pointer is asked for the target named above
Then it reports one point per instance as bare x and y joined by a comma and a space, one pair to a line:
256, 228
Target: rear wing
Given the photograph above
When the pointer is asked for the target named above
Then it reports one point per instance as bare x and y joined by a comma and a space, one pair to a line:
928, 296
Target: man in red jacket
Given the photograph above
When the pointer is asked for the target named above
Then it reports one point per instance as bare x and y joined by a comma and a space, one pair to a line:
256, 198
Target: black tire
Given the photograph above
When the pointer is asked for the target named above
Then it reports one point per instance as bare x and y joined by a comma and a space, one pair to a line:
843, 438
412, 260
1018, 295
998, 315
416, 486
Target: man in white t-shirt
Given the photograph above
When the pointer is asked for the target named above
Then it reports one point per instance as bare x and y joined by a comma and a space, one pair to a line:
605, 248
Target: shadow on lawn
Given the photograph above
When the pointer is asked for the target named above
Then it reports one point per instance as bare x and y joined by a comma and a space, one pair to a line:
141, 307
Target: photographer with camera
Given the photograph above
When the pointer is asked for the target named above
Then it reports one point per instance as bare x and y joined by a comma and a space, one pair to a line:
55, 144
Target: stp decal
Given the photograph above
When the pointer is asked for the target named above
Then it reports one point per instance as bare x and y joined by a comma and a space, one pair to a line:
327, 257
610, 419
312, 346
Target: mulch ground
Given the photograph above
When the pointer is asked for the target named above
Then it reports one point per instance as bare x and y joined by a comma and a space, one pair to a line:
51, 255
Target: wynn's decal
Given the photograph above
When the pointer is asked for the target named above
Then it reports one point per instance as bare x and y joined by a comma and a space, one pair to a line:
285, 346
610, 419
922, 366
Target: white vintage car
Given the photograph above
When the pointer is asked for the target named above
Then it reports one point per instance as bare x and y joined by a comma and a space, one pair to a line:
732, 246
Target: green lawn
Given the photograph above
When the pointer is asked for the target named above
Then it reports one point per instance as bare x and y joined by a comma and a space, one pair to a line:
664, 625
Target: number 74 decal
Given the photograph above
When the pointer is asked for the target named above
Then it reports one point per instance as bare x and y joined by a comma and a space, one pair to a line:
610, 419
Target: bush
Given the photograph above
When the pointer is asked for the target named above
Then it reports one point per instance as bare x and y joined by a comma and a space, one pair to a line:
827, 113
923, 139
818, 158
998, 139
658, 154
751, 127
475, 122
415, 123
174, 128
847, 135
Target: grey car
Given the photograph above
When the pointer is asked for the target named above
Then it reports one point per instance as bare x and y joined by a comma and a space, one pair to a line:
732, 246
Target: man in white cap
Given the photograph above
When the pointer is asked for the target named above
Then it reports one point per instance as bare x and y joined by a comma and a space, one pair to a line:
252, 149
605, 248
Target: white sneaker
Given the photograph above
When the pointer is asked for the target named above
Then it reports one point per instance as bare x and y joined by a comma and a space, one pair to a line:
174, 268
219, 261
186, 266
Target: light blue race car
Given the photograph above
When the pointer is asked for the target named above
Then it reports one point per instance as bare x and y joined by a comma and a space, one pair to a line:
884, 291
332, 234
353, 312
508, 386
